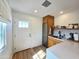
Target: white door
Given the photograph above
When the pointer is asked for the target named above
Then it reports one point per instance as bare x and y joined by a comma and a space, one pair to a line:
21, 35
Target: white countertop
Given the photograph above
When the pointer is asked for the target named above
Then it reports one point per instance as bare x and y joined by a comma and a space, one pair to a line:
65, 50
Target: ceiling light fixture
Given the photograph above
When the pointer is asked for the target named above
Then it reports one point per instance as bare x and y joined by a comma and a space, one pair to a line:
35, 11
61, 12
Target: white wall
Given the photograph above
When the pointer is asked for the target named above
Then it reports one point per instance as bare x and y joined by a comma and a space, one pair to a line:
67, 18
5, 13
21, 37
5, 10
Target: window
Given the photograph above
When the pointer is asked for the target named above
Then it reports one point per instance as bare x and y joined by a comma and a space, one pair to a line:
23, 24
2, 35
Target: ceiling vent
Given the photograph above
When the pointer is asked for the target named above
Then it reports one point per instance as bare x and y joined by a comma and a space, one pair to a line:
46, 3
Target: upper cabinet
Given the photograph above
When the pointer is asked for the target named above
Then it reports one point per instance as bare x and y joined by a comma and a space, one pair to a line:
50, 23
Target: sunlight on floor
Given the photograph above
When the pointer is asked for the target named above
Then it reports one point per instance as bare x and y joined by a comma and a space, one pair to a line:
39, 55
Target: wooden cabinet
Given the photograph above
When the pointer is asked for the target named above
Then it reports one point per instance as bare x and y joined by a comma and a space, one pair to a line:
48, 27
49, 20
52, 41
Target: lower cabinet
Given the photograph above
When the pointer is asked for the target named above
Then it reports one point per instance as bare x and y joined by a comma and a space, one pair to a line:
52, 41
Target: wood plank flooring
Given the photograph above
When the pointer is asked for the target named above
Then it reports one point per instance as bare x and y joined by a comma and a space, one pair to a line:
32, 53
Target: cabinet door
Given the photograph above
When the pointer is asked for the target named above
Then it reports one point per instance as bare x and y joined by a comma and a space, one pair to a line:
45, 35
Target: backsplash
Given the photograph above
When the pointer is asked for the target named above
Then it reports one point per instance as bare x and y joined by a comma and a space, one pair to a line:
65, 33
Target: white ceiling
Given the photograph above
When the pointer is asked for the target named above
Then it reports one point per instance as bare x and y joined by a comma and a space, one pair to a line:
28, 6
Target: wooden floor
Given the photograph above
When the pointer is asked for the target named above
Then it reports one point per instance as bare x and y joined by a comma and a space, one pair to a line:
33, 53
